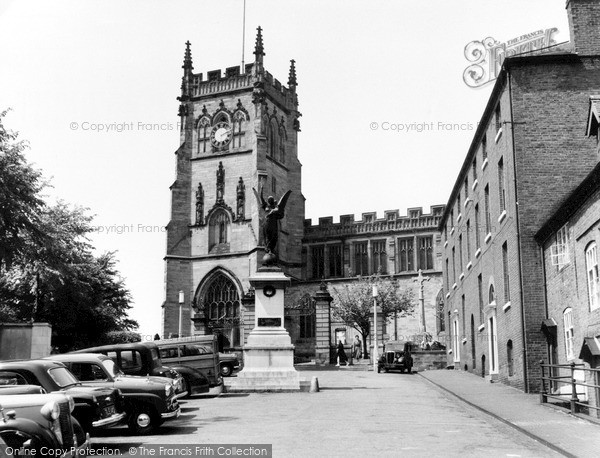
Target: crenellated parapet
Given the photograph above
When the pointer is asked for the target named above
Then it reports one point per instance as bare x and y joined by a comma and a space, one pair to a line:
196, 86
392, 221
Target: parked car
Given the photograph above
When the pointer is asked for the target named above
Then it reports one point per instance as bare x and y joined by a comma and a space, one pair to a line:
143, 358
95, 407
32, 424
396, 356
149, 401
199, 352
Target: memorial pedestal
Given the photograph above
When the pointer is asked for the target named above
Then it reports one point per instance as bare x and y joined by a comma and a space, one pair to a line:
269, 353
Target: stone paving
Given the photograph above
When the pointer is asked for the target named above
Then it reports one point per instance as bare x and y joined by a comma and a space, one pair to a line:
356, 413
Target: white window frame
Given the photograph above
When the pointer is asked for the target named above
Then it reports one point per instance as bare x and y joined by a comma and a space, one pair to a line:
559, 251
591, 266
569, 334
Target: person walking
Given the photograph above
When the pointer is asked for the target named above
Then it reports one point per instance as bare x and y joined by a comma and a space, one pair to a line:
357, 348
341, 354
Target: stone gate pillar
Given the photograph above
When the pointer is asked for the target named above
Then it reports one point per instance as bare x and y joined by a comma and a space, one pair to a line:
323, 324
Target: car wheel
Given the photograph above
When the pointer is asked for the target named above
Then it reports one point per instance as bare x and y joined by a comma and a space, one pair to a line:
78, 430
142, 421
226, 370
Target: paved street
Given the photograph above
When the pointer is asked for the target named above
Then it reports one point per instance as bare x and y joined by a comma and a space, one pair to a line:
357, 413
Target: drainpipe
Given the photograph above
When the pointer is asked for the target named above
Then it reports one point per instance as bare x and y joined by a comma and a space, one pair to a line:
545, 295
523, 330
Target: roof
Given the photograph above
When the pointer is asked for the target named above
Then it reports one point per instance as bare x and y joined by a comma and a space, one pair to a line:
28, 363
76, 357
121, 346
570, 205
590, 348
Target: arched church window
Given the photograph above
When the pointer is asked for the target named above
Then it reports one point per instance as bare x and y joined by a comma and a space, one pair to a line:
222, 304
273, 140
239, 120
219, 231
282, 145
203, 135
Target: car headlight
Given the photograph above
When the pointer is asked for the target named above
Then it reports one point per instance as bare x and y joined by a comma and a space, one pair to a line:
51, 411
167, 390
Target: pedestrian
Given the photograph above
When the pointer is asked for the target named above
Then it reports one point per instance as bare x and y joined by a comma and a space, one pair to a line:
341, 354
357, 347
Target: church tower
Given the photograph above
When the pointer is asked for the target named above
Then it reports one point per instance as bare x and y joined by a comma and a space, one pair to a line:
239, 131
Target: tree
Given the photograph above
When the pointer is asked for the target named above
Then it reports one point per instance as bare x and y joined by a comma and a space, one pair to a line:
48, 271
20, 202
353, 303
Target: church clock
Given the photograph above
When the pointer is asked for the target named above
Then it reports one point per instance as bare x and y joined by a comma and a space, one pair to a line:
220, 135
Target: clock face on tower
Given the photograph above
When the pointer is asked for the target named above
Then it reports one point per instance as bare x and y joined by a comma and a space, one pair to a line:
220, 134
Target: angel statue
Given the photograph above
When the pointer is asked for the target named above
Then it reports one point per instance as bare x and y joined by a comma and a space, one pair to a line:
270, 222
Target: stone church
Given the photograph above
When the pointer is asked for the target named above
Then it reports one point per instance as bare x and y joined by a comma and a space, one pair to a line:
239, 134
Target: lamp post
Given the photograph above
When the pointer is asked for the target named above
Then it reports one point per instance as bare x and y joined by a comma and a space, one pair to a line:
181, 301
420, 279
375, 353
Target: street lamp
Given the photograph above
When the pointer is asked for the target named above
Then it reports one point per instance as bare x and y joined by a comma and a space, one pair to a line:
375, 353
181, 301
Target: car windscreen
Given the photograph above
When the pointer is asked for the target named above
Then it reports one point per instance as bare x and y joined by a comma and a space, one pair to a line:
155, 356
112, 368
62, 377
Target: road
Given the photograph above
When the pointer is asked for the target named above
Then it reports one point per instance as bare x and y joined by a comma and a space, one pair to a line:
356, 413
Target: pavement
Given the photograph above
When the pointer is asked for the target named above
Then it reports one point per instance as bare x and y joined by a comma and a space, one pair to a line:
556, 429
359, 412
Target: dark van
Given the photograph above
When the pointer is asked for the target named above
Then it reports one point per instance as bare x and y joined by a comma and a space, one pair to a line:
199, 352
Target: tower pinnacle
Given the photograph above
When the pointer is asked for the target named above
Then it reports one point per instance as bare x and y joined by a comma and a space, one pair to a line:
187, 59
292, 82
259, 50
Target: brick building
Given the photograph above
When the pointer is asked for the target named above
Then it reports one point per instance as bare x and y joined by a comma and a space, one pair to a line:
526, 157
569, 241
239, 132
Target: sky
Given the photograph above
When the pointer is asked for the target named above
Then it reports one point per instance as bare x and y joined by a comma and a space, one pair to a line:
387, 118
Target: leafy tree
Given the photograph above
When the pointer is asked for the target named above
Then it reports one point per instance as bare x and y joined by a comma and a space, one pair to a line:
48, 271
20, 202
353, 303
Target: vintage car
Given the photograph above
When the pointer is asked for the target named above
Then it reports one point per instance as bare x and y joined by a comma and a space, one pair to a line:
149, 401
33, 423
143, 358
396, 357
95, 407
199, 352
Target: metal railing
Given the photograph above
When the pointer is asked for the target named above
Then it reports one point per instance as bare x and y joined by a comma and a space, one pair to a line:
556, 375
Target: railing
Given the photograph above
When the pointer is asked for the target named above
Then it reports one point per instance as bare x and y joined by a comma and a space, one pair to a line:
556, 375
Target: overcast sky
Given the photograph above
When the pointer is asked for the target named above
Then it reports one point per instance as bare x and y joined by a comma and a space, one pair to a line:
68, 67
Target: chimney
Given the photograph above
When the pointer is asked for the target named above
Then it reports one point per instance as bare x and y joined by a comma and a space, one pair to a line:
584, 26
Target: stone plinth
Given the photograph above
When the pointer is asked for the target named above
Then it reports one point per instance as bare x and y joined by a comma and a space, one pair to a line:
268, 353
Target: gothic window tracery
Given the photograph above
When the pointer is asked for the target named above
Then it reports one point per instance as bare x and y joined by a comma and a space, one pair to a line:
221, 302
203, 134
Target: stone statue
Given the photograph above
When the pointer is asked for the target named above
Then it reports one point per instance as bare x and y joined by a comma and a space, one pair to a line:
270, 223
220, 183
